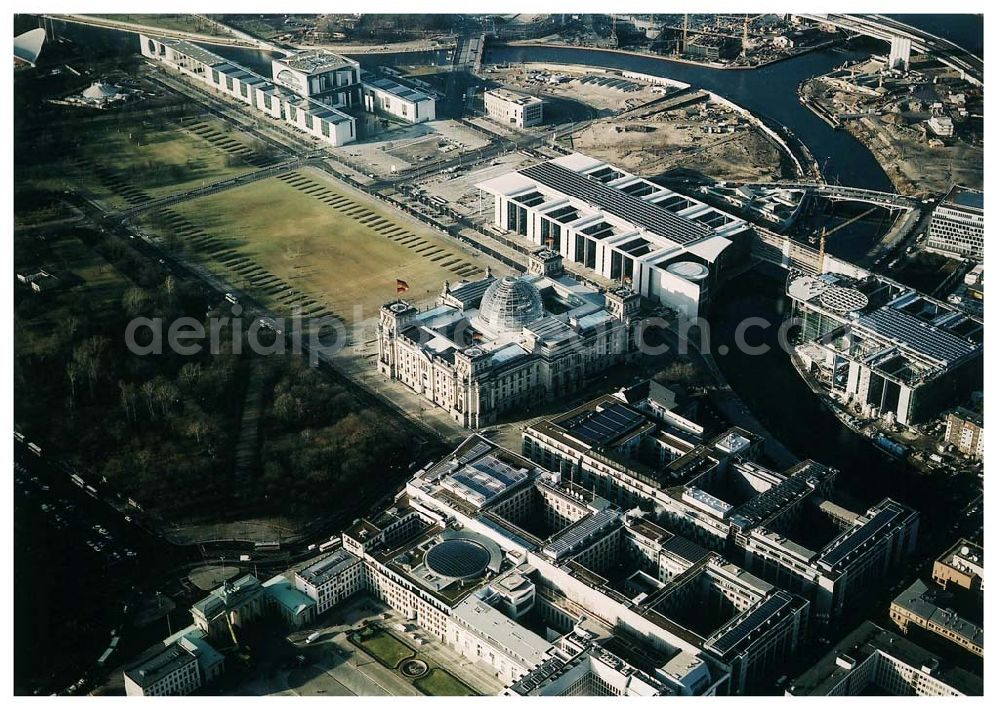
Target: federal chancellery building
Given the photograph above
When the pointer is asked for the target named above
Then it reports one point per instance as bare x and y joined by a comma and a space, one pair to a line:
313, 90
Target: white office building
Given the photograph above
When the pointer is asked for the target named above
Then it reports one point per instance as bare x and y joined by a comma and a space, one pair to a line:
781, 524
318, 118
512, 108
872, 661
884, 347
957, 224
176, 667
532, 576
382, 94
666, 246
321, 75
331, 579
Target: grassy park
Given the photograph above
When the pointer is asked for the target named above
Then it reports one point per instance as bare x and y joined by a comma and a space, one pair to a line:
123, 165
383, 647
122, 160
174, 433
441, 683
302, 239
392, 652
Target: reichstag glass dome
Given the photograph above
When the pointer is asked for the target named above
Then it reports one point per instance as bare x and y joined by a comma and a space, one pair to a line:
509, 304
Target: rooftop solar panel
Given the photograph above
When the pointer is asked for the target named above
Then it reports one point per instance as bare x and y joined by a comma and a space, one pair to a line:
613, 201
580, 532
457, 558
764, 505
859, 536
477, 450
484, 479
602, 427
474, 485
685, 549
496, 468
758, 617
917, 335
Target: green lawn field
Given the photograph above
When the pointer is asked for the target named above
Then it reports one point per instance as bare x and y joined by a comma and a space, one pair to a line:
384, 647
322, 240
115, 160
441, 683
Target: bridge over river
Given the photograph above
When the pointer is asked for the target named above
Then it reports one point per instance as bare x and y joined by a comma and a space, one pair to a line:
904, 39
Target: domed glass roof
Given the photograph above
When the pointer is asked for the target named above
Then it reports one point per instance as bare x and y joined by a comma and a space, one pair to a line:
509, 304
100, 90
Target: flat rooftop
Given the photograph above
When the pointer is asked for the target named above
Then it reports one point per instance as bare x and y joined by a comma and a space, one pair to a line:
617, 202
965, 556
964, 197
515, 97
190, 49
314, 61
498, 629
930, 332
932, 342
480, 480
745, 629
328, 567
929, 604
867, 640
868, 528
255, 80
158, 662
604, 424
391, 86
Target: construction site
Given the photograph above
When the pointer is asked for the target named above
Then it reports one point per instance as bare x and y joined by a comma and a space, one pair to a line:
652, 125
924, 124
739, 40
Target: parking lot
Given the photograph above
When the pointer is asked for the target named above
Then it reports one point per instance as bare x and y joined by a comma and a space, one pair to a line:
408, 146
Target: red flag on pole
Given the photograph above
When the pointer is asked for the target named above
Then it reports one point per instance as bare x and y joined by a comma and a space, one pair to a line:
401, 286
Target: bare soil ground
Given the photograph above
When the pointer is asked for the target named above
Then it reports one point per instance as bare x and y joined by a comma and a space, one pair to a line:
671, 144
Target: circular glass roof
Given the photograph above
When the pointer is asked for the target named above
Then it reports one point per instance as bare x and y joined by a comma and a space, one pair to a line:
843, 300
509, 304
457, 558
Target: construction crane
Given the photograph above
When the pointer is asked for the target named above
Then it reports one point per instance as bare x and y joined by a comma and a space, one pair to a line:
684, 40
822, 250
746, 32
